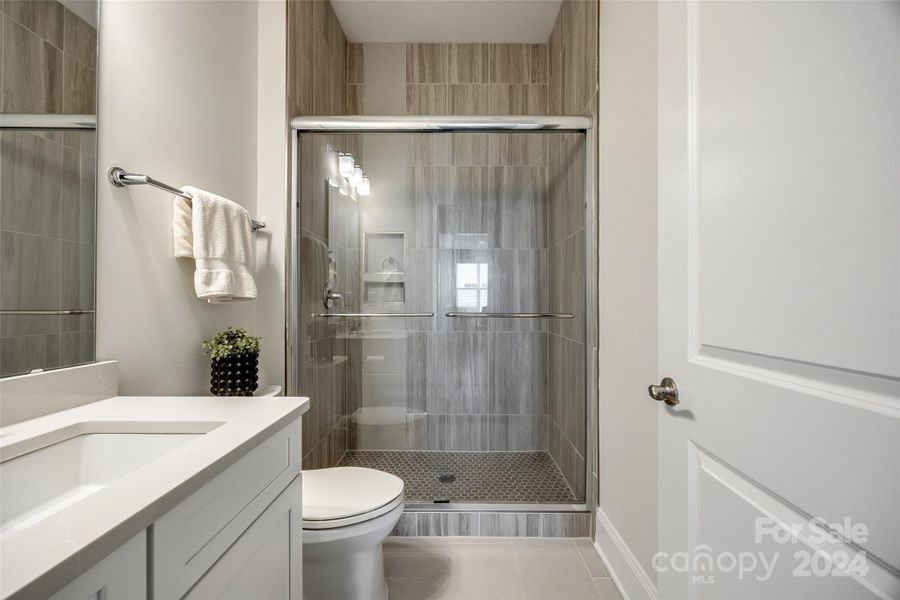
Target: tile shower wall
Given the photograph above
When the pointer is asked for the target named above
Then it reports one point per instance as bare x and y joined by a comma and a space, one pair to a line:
47, 208
317, 85
573, 80
49, 59
448, 79
462, 201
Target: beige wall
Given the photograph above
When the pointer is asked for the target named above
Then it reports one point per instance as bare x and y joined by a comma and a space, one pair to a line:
628, 274
188, 117
272, 187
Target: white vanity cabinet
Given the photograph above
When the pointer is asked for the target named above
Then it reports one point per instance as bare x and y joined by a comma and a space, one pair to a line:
236, 537
120, 576
240, 530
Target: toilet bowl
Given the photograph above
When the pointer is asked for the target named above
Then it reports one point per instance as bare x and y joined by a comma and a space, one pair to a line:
347, 513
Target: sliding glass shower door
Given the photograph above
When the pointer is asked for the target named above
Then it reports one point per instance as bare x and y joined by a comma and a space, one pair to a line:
441, 316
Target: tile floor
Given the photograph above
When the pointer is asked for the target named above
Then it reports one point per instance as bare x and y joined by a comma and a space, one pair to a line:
482, 477
495, 569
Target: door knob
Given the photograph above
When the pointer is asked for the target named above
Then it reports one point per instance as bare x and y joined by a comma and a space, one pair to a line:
666, 391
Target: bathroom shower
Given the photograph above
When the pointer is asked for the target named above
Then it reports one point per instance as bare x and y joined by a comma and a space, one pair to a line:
439, 321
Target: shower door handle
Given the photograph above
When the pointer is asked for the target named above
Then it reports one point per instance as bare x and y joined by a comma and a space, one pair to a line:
508, 315
372, 315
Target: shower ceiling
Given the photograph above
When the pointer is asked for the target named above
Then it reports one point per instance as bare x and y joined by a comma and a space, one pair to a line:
459, 21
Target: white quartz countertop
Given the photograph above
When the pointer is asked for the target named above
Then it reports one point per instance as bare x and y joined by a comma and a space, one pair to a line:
38, 560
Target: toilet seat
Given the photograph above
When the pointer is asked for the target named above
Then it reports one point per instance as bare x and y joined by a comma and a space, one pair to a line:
342, 496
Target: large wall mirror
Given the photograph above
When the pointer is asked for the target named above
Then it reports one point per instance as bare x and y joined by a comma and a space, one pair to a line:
48, 99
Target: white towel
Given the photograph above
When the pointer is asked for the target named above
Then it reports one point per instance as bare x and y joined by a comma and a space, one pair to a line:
217, 234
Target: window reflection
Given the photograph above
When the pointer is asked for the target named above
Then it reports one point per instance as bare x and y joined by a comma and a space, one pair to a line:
472, 286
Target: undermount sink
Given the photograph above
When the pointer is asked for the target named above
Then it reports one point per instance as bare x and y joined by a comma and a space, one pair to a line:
73, 464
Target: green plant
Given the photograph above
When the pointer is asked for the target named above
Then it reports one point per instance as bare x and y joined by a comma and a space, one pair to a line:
231, 342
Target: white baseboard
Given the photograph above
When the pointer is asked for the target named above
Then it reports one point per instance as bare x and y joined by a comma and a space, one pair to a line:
626, 571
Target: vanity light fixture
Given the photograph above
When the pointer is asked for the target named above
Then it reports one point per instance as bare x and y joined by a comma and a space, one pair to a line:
357, 177
345, 164
363, 188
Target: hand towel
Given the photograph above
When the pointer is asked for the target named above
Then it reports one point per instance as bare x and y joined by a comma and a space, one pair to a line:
221, 244
181, 228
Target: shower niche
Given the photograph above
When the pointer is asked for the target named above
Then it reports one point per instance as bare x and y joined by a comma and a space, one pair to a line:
383, 277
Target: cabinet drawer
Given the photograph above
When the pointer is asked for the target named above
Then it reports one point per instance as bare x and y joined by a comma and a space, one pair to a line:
187, 540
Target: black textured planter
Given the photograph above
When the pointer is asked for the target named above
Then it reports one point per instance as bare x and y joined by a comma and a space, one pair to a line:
234, 375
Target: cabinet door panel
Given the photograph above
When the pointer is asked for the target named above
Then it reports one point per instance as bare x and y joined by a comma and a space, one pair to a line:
120, 576
264, 562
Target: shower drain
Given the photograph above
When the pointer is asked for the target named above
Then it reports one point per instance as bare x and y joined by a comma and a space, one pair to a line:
447, 478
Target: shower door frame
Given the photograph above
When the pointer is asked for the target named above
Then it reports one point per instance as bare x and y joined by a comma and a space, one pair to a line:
452, 124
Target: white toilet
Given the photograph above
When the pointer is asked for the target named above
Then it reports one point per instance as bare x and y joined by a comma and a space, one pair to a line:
347, 513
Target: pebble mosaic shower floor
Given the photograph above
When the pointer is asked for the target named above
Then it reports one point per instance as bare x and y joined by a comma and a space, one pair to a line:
480, 477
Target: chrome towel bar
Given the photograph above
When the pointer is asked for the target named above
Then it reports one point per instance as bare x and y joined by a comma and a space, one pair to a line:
372, 315
119, 177
509, 315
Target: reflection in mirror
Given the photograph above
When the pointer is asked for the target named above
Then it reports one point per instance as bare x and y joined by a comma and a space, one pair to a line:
47, 183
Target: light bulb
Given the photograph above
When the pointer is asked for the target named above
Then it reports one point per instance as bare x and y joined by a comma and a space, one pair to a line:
357, 176
363, 188
345, 164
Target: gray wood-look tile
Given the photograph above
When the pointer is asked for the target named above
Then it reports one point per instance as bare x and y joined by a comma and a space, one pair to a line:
509, 63
470, 149
427, 63
508, 99
76, 322
355, 62
516, 433
406, 526
447, 524
77, 284
32, 72
30, 272
31, 182
80, 40
356, 100
426, 99
44, 17
469, 63
537, 63
522, 210
429, 433
509, 524
13, 325
518, 384
76, 347
462, 373
21, 354
468, 432
79, 87
511, 149
565, 524
420, 365
468, 99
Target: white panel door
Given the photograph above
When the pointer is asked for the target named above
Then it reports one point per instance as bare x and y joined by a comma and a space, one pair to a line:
779, 299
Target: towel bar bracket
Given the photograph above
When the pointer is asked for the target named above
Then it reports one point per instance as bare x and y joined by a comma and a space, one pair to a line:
119, 177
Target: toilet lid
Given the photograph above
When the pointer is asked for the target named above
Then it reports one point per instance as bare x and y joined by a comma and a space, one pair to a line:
342, 492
